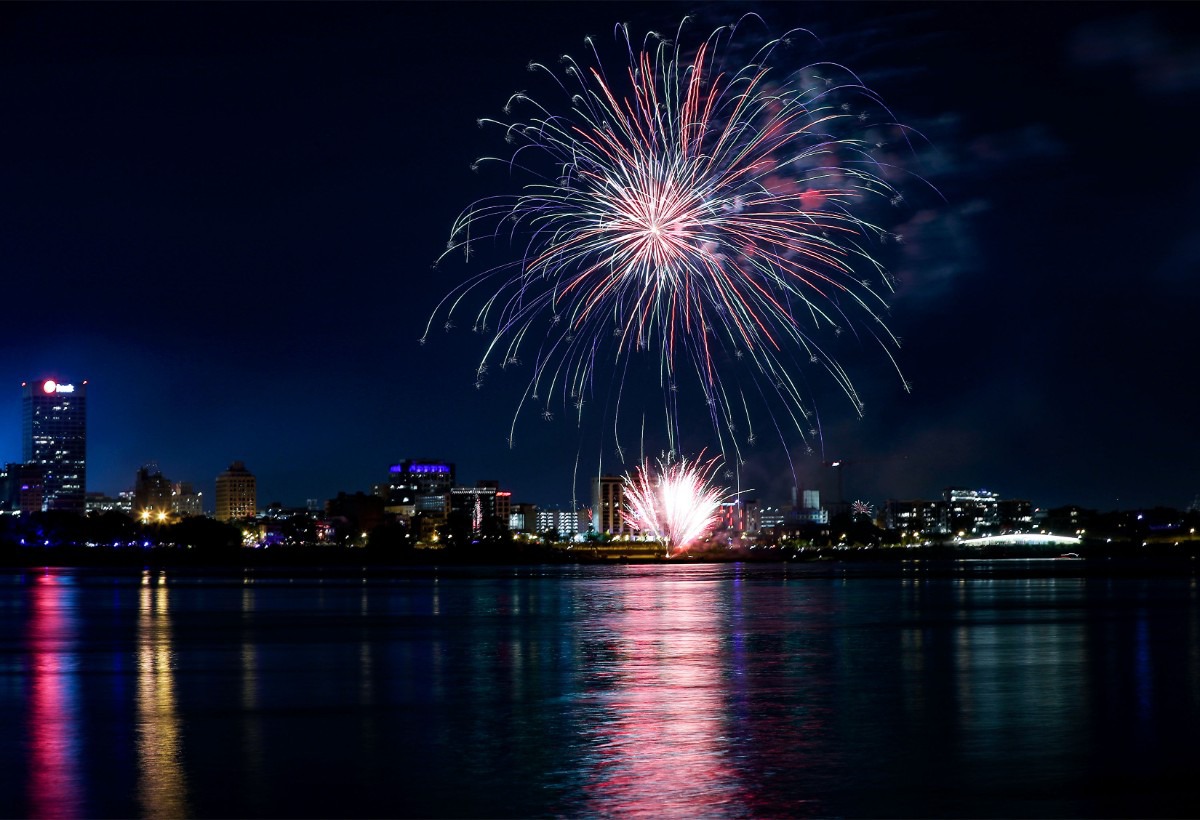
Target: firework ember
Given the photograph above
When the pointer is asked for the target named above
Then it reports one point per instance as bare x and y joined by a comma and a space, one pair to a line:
675, 503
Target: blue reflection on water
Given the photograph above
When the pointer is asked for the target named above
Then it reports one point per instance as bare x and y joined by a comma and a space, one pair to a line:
678, 690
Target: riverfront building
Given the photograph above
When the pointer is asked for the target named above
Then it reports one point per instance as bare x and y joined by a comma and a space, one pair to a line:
237, 494
608, 505
566, 524
962, 512
739, 517
420, 486
523, 518
185, 500
152, 494
21, 488
54, 438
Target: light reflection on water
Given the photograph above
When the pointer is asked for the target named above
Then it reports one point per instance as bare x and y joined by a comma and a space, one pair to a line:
680, 690
653, 712
162, 789
55, 788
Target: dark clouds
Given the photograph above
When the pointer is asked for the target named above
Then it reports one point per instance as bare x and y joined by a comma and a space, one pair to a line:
1160, 60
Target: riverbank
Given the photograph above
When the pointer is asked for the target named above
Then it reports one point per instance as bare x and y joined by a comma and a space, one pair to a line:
324, 560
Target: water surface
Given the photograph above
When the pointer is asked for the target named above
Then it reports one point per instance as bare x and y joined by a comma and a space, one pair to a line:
665, 690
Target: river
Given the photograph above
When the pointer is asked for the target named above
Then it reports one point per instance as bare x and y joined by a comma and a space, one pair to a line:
688, 690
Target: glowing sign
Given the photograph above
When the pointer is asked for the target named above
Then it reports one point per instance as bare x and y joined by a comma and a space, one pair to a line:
421, 468
52, 386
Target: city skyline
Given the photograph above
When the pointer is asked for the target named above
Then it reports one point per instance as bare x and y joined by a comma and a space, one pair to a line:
826, 494
224, 218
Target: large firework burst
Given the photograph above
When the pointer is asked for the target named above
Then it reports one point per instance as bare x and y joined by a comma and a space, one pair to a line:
675, 503
705, 213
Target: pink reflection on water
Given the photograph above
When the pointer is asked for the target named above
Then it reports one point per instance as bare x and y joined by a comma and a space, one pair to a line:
656, 736
54, 777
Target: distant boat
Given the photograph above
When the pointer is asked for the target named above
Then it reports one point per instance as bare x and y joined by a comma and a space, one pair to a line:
1069, 556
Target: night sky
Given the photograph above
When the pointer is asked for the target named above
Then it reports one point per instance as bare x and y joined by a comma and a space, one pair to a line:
224, 216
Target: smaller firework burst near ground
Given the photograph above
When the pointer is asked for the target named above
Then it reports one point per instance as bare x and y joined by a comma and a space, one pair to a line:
675, 501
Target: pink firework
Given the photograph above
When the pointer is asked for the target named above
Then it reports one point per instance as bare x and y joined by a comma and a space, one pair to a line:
677, 503
701, 212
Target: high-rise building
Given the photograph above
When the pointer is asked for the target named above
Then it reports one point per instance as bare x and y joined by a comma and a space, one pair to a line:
420, 486
485, 502
504, 506
54, 437
236, 493
608, 504
151, 494
476, 503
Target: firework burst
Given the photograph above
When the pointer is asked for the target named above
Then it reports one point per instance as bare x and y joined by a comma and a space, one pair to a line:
675, 503
700, 211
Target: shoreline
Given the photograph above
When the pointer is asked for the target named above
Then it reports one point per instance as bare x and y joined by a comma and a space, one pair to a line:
339, 562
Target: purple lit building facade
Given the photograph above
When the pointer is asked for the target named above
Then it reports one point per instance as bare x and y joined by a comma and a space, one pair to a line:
420, 486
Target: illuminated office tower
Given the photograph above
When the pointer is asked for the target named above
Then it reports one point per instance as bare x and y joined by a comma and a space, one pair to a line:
236, 493
420, 486
54, 437
608, 505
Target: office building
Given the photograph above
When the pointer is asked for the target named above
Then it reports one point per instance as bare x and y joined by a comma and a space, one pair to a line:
608, 505
483, 503
21, 488
98, 502
971, 512
54, 438
152, 494
1016, 515
185, 500
503, 500
771, 518
486, 498
562, 524
236, 493
420, 486
523, 518
916, 519
355, 516
740, 517
806, 507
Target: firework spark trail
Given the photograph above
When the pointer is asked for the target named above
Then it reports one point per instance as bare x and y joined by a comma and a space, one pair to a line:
705, 215
677, 503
